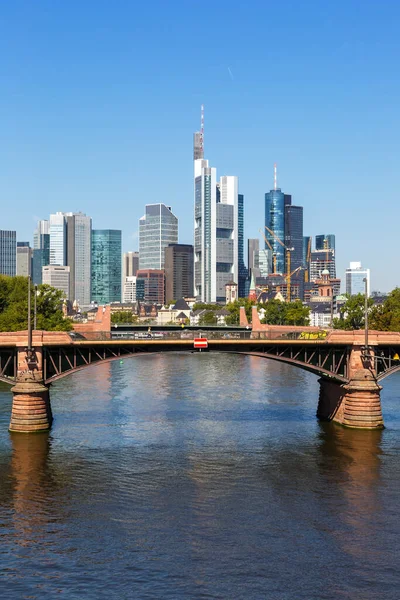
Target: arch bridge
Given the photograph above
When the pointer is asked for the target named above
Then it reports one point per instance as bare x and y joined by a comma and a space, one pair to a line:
349, 371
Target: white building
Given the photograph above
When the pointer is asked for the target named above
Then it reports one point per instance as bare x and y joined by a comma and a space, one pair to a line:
157, 229
129, 290
58, 239
43, 228
215, 232
57, 277
263, 262
355, 276
24, 259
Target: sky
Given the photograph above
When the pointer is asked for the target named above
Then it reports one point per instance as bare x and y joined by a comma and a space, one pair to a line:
99, 101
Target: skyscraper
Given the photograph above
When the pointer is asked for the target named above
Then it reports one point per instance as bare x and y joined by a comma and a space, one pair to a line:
106, 265
42, 229
294, 235
24, 259
58, 239
41, 250
58, 277
355, 276
326, 240
243, 273
275, 202
150, 285
253, 244
130, 264
178, 271
8, 252
157, 228
322, 260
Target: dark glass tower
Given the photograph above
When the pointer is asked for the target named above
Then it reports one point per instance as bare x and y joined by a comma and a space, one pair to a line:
40, 257
275, 220
294, 235
242, 271
320, 239
106, 266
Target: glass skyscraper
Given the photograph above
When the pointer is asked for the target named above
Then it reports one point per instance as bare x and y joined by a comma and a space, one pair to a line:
8, 253
242, 270
320, 241
275, 220
355, 276
106, 265
157, 229
294, 235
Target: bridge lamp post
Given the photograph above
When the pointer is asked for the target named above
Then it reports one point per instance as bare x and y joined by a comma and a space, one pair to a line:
35, 308
29, 316
365, 280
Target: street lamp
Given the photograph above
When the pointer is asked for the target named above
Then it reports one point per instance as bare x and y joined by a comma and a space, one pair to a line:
35, 308
29, 316
365, 280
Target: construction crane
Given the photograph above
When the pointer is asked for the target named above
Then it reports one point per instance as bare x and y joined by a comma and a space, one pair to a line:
307, 267
288, 252
272, 252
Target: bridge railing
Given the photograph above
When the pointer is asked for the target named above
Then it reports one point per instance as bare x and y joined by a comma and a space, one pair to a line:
186, 334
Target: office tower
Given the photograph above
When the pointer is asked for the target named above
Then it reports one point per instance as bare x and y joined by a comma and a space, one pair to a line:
150, 285
8, 253
78, 252
106, 265
262, 263
130, 264
178, 271
253, 244
24, 259
321, 260
306, 249
198, 139
157, 228
42, 229
58, 239
294, 236
275, 202
324, 241
355, 276
243, 273
129, 289
58, 277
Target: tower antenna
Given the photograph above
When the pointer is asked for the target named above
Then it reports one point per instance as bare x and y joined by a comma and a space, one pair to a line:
202, 131
275, 178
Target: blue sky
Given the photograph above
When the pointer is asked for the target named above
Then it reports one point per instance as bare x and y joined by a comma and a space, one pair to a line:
99, 101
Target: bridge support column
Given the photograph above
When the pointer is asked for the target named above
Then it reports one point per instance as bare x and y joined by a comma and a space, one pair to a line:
31, 410
356, 404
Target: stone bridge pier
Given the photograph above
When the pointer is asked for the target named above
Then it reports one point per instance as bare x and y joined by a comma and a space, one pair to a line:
356, 403
31, 409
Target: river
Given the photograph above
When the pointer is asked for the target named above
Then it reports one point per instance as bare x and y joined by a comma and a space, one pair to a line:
185, 476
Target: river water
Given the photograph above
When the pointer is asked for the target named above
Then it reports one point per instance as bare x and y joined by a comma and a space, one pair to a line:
181, 476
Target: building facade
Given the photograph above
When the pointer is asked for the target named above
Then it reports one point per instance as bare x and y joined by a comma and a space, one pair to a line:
325, 240
130, 264
58, 239
79, 244
58, 277
253, 245
321, 260
178, 271
129, 290
157, 228
106, 265
150, 285
243, 273
355, 276
24, 259
8, 253
42, 229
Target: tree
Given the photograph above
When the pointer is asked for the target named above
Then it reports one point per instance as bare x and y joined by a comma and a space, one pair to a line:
234, 309
208, 318
352, 313
297, 313
386, 316
14, 306
123, 316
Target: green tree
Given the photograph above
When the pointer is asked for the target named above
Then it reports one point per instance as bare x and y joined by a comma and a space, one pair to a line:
234, 309
14, 306
208, 318
386, 316
297, 313
352, 313
124, 316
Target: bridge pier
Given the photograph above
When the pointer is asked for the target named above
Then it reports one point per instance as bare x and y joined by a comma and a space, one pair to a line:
31, 409
356, 404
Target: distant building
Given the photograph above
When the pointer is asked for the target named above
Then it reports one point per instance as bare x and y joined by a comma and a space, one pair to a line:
326, 240
41, 250
178, 271
253, 245
262, 263
58, 277
42, 229
106, 265
130, 264
243, 273
294, 236
321, 260
129, 290
231, 291
58, 239
355, 276
157, 229
24, 259
150, 285
8, 253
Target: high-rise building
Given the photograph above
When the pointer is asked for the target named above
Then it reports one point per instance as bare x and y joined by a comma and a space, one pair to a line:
355, 276
42, 229
70, 245
106, 265
324, 241
24, 259
275, 202
262, 263
8, 252
243, 273
322, 260
58, 277
253, 244
178, 271
294, 236
150, 285
129, 289
157, 228
58, 239
79, 245
130, 264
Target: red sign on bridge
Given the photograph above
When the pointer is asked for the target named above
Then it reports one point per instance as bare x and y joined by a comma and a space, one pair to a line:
200, 343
